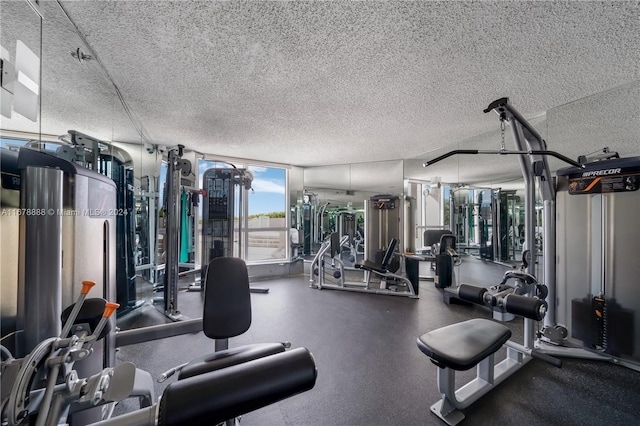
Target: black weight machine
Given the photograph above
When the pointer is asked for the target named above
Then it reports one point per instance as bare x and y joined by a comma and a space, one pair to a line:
442, 254
223, 216
223, 194
596, 220
176, 167
220, 387
464, 345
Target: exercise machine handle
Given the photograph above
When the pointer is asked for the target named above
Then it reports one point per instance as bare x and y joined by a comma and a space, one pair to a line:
86, 287
519, 275
504, 152
109, 309
450, 154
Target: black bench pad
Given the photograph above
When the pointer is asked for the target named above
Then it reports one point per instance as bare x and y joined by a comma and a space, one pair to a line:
463, 345
233, 356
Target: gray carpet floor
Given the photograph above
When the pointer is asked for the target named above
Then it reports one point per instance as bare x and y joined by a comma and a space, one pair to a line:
370, 371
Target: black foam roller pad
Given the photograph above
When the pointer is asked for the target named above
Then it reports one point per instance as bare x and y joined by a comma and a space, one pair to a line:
224, 394
471, 293
529, 307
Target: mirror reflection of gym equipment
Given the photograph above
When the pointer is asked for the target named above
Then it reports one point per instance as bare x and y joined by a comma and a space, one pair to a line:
488, 223
385, 268
309, 223
116, 163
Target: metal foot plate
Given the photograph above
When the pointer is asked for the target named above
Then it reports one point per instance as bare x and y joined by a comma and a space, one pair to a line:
452, 418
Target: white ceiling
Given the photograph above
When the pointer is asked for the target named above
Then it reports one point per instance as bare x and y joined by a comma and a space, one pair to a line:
323, 83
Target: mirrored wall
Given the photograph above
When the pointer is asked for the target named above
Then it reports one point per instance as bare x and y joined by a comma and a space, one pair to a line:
79, 117
333, 199
479, 198
20, 24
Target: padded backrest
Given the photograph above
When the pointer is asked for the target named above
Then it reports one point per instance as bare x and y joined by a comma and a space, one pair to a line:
335, 244
432, 236
227, 300
388, 255
447, 241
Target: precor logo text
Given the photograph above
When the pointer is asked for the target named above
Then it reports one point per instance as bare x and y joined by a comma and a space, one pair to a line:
601, 172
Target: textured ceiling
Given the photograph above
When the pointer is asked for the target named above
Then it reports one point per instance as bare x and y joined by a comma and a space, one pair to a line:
321, 83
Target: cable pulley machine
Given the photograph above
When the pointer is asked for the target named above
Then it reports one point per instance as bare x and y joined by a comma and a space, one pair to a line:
223, 216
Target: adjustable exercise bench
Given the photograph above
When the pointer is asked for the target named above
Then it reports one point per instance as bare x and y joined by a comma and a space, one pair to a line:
471, 343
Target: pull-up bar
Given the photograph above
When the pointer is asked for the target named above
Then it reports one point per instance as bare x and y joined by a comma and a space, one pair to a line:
532, 155
503, 152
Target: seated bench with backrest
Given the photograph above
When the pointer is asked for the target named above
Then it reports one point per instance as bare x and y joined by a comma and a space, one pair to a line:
219, 386
382, 267
227, 313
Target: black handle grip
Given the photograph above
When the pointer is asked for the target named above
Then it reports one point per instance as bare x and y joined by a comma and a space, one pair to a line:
559, 157
496, 104
449, 154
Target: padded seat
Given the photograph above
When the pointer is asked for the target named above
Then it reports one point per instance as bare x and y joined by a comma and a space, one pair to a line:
233, 356
371, 266
381, 268
463, 345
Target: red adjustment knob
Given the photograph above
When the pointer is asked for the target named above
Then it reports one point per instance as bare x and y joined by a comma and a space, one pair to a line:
109, 309
86, 286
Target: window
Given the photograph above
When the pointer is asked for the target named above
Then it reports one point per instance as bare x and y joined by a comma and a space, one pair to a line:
12, 144
267, 232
